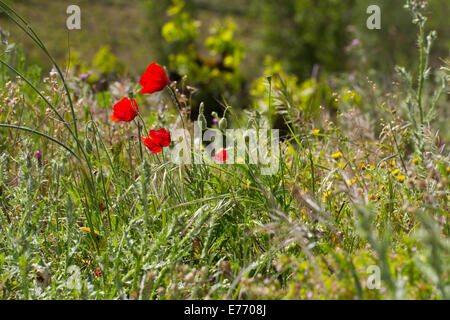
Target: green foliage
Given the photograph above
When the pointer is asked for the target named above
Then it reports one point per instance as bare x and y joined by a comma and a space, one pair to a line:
301, 33
307, 97
216, 75
93, 218
106, 62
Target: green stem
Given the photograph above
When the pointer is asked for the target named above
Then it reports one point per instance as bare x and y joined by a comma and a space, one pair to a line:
177, 103
421, 73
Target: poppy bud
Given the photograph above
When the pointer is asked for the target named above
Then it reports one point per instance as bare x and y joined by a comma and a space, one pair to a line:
223, 124
201, 117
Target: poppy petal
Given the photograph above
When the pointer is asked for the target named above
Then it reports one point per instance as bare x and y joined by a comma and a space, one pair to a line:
125, 110
221, 156
151, 144
161, 136
154, 79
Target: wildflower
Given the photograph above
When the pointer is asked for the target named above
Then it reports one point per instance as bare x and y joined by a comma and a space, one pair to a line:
447, 169
392, 163
383, 164
38, 157
341, 165
316, 131
336, 155
240, 160
415, 160
303, 211
372, 167
84, 76
401, 178
223, 124
215, 120
352, 44
368, 176
124, 110
98, 272
221, 156
154, 79
88, 230
396, 171
156, 140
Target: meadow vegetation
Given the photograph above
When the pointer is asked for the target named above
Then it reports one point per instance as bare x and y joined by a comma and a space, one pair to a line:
88, 212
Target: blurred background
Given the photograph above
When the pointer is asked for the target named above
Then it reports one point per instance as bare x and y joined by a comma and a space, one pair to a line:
223, 47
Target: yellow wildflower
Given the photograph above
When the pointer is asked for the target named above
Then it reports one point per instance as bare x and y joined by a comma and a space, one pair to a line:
341, 165
395, 171
88, 230
415, 160
401, 178
303, 211
368, 176
316, 131
336, 155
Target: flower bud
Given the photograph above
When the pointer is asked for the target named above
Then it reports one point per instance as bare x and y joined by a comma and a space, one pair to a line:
223, 124
201, 118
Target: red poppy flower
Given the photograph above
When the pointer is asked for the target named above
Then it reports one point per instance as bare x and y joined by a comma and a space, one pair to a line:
124, 110
156, 140
154, 79
221, 156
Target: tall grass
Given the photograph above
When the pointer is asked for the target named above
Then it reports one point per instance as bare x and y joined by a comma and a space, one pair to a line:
92, 219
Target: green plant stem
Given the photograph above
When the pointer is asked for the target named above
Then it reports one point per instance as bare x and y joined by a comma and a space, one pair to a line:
421, 73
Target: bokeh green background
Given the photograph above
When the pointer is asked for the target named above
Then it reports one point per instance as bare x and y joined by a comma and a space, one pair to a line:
299, 33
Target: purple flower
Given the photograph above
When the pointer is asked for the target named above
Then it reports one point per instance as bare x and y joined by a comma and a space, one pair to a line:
83, 76
38, 157
354, 42
214, 120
